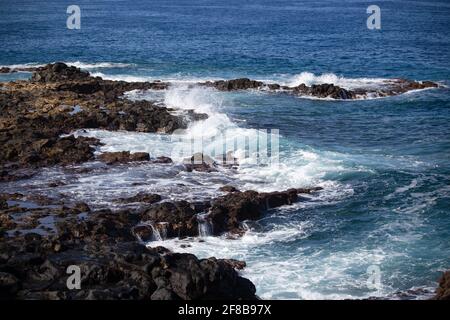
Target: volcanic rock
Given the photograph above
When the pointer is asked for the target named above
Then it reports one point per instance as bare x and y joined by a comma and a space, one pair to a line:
443, 290
123, 157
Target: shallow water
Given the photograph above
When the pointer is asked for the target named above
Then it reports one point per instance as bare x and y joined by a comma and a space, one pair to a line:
384, 164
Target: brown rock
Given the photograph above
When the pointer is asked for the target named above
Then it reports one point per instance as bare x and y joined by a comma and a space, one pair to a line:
443, 290
123, 157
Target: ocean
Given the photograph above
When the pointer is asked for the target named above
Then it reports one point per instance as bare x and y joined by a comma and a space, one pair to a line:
384, 164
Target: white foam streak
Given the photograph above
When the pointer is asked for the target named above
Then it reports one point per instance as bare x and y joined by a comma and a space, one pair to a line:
98, 65
310, 79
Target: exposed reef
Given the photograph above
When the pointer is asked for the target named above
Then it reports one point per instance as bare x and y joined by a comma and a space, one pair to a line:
59, 99
390, 87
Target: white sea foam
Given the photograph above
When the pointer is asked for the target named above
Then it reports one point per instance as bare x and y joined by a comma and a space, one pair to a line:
98, 65
24, 65
290, 275
277, 273
78, 64
309, 79
174, 78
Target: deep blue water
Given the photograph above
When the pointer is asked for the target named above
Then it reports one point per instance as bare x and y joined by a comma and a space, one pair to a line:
385, 163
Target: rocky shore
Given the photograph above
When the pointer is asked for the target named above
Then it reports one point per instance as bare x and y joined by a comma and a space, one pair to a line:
40, 236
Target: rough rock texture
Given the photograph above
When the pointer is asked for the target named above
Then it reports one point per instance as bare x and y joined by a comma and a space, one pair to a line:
6, 70
173, 219
236, 84
200, 162
142, 197
443, 290
33, 267
59, 99
123, 157
224, 214
113, 265
59, 72
228, 189
391, 87
324, 91
227, 212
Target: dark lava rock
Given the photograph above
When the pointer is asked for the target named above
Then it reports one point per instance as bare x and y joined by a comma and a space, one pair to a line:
123, 157
143, 232
443, 290
224, 214
236, 84
9, 285
228, 189
391, 87
236, 264
142, 197
60, 99
192, 279
45, 151
200, 162
162, 159
3, 204
179, 218
31, 268
58, 72
6, 70
227, 212
323, 91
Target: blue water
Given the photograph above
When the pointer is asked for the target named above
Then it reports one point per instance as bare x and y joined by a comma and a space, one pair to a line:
384, 163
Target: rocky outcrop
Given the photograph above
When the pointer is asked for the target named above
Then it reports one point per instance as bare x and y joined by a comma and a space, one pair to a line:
236, 84
59, 99
142, 197
173, 219
225, 214
113, 264
123, 157
33, 267
33, 149
390, 87
323, 91
443, 290
58, 72
229, 211
6, 70
200, 162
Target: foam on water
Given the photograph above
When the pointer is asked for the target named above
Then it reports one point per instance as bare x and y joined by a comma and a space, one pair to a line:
281, 250
309, 78
98, 65
173, 78
78, 64
23, 65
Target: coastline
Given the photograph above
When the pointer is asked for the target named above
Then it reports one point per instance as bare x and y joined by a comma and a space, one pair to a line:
42, 236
